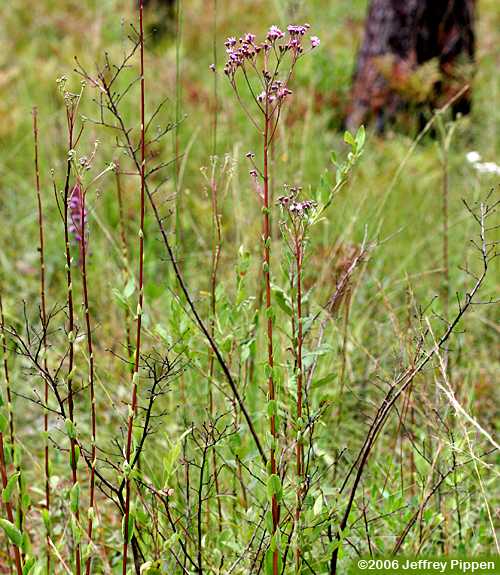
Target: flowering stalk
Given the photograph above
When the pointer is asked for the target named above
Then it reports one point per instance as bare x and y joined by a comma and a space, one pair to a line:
127, 524
79, 220
72, 104
216, 250
294, 230
43, 315
245, 56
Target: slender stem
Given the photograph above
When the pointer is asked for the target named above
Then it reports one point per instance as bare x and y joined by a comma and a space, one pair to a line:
299, 448
216, 249
275, 508
178, 95
71, 329
135, 376
43, 315
90, 353
216, 94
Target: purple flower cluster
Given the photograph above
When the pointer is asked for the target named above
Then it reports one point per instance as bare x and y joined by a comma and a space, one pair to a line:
246, 49
295, 208
274, 34
77, 208
240, 51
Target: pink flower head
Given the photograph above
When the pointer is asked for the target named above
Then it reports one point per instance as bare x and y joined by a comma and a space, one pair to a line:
315, 41
274, 34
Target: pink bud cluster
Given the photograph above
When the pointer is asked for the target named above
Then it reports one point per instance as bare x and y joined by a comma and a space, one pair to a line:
295, 208
78, 214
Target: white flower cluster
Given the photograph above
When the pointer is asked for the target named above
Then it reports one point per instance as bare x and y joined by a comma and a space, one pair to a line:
474, 158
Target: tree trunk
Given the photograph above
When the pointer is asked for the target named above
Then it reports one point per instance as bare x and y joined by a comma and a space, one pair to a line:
414, 51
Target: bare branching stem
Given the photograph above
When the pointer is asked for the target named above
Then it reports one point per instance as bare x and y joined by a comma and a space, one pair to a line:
140, 304
401, 383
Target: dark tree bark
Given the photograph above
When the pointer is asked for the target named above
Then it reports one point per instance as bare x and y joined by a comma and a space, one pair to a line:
403, 37
163, 17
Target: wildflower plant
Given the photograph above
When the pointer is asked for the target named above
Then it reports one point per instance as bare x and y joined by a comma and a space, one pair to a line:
267, 68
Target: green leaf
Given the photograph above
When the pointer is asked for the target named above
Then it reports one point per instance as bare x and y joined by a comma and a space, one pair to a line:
70, 429
4, 422
282, 299
324, 380
9, 488
151, 568
75, 497
129, 288
360, 138
274, 487
25, 543
272, 408
269, 562
119, 298
28, 566
76, 530
130, 532
318, 504
12, 532
46, 519
348, 138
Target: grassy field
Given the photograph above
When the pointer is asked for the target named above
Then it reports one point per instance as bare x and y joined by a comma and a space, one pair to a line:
417, 479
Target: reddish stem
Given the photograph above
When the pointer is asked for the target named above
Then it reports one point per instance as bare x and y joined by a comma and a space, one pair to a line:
71, 113
275, 508
299, 449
